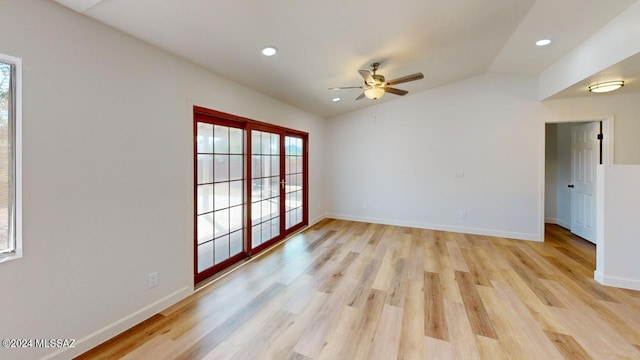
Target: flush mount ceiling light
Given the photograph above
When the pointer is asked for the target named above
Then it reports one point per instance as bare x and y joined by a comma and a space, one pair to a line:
336, 99
543, 42
269, 51
604, 87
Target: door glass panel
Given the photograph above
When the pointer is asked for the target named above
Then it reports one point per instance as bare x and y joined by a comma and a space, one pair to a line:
236, 170
221, 249
220, 198
205, 228
204, 138
205, 199
294, 172
235, 246
265, 189
205, 256
205, 166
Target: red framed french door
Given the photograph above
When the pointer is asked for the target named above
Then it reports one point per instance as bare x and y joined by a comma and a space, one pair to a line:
265, 187
250, 188
219, 196
295, 181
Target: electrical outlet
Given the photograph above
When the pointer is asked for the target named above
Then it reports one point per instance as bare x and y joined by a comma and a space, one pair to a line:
153, 280
458, 173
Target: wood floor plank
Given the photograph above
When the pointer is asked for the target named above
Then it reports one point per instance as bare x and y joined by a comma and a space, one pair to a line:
416, 259
435, 349
349, 290
455, 254
338, 273
295, 356
312, 339
364, 283
476, 269
222, 332
463, 344
595, 334
537, 308
288, 336
529, 327
476, 313
535, 284
489, 348
592, 305
509, 327
338, 343
435, 322
412, 332
369, 318
385, 272
386, 340
398, 286
567, 345
525, 260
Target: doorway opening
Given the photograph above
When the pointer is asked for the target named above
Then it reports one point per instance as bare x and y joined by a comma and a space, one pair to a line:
573, 150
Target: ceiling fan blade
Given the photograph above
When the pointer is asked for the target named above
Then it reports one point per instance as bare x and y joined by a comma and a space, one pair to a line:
395, 91
360, 97
404, 79
366, 75
345, 87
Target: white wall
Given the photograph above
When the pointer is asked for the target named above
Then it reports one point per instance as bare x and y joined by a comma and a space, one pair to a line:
551, 173
400, 159
624, 108
108, 194
618, 206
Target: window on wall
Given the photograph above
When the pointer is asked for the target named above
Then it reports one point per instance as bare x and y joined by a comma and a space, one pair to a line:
10, 170
248, 177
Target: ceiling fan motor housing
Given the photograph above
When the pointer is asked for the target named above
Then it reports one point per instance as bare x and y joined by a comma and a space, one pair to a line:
378, 80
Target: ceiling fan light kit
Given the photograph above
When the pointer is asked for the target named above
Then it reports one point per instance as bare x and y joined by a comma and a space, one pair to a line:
607, 86
374, 93
375, 86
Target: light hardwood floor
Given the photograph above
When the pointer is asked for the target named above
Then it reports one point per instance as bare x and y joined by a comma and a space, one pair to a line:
347, 290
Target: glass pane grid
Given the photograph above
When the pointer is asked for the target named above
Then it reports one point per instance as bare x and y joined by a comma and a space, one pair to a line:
220, 195
294, 172
265, 187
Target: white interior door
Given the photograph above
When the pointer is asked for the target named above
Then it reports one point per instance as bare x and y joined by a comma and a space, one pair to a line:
584, 159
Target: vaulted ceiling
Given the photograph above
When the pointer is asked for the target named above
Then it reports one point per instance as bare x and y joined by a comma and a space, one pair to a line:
322, 44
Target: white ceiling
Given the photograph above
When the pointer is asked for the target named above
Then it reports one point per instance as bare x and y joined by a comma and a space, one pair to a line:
323, 43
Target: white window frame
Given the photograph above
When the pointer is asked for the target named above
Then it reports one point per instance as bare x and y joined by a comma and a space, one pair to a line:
15, 180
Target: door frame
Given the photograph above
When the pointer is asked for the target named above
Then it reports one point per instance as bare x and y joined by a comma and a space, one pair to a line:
247, 125
608, 146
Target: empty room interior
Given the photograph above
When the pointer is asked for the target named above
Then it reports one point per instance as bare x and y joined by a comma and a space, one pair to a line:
418, 179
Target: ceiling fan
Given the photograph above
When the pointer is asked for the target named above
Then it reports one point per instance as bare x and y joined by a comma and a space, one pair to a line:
375, 86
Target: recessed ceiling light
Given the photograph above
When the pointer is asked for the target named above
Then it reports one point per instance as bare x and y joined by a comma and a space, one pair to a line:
543, 42
336, 99
269, 51
604, 87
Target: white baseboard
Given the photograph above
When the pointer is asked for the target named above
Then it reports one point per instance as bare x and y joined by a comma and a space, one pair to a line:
550, 220
631, 284
90, 341
458, 229
317, 220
